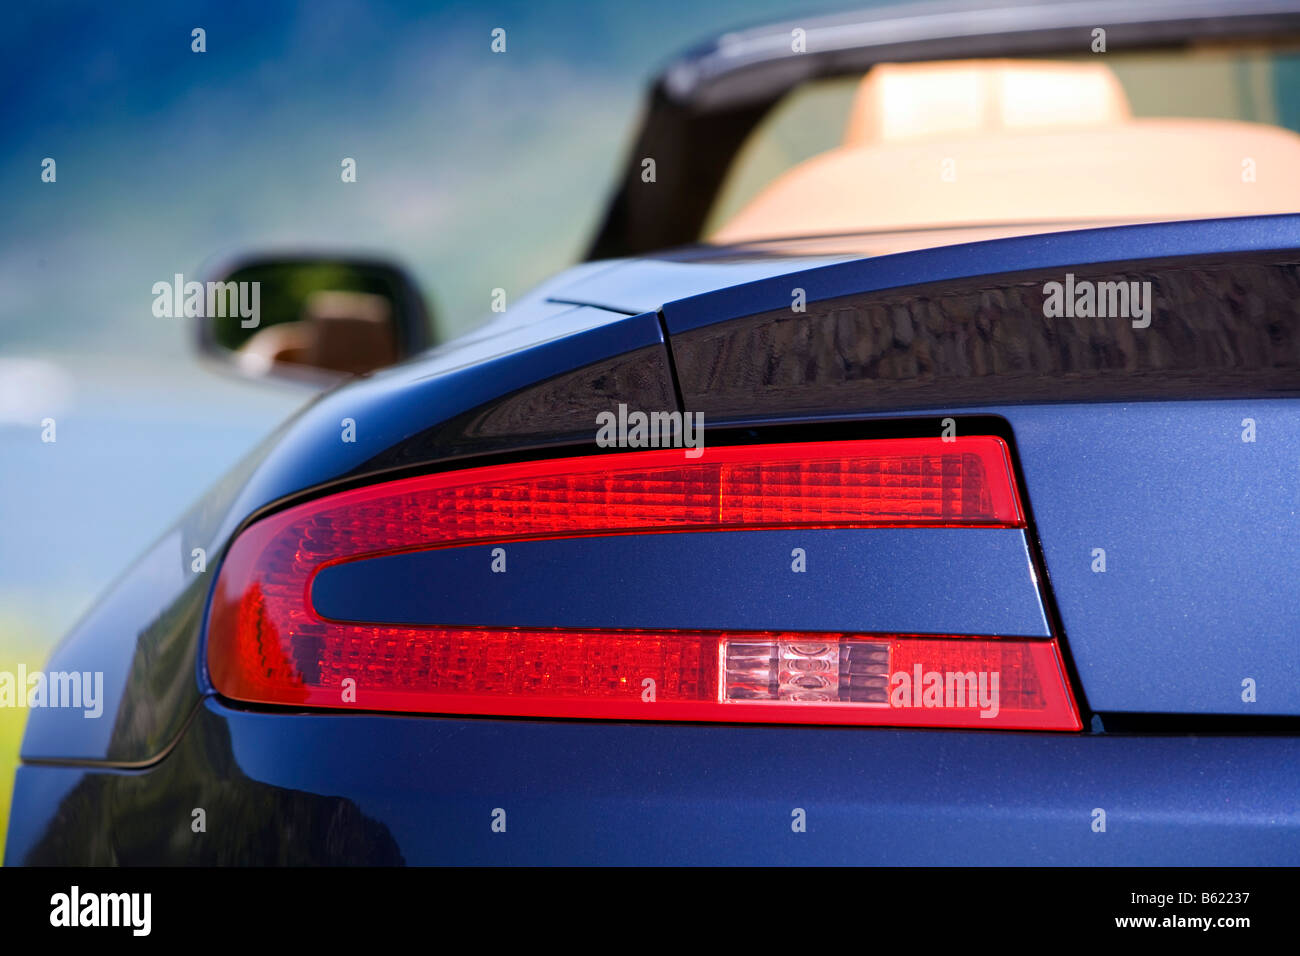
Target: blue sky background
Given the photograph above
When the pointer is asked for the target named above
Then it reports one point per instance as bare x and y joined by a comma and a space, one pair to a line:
476, 170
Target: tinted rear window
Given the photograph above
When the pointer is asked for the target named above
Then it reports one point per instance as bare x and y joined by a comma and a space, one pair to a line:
1174, 330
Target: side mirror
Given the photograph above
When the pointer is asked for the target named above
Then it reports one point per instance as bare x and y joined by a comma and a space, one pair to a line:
312, 319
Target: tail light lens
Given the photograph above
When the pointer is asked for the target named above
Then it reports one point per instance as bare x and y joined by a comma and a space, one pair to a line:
266, 643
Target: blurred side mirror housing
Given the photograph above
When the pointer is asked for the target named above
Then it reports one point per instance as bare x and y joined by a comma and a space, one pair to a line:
310, 318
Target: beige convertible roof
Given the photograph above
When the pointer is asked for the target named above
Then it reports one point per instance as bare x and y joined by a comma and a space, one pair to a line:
1017, 147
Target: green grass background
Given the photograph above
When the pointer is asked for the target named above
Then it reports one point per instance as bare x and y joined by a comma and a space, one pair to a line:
13, 651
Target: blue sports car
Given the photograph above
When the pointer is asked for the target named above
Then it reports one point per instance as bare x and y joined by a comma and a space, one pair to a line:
911, 475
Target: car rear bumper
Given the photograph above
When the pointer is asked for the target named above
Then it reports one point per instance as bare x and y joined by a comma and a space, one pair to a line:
373, 789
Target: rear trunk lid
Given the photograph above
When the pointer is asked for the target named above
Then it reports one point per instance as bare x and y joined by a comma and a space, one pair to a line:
1147, 377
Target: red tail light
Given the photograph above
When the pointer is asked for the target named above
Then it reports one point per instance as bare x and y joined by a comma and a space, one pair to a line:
266, 644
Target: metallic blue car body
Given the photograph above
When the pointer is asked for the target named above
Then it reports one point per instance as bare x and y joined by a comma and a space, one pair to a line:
1204, 544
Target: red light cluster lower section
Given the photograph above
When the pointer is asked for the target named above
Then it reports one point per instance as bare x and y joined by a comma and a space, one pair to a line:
653, 675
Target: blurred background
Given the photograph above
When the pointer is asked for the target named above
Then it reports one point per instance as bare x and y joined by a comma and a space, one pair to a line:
476, 170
